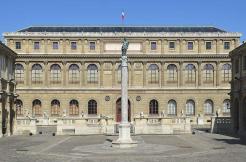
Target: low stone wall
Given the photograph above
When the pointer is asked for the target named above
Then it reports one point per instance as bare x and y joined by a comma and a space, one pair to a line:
97, 125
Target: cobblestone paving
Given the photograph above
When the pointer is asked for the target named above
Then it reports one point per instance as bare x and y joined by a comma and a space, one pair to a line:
201, 147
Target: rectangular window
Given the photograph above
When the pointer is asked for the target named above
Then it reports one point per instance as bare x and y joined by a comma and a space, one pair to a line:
171, 45
17, 45
208, 45
153, 45
92, 46
55, 45
36, 45
190, 45
244, 62
226, 45
73, 45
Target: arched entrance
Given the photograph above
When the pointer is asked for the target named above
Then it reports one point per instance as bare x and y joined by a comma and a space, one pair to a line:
118, 110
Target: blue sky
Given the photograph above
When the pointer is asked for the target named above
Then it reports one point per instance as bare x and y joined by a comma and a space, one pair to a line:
225, 14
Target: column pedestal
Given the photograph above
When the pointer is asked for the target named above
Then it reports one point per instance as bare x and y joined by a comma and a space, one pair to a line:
124, 140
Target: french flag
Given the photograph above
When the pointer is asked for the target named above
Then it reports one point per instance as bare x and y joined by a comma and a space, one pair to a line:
122, 15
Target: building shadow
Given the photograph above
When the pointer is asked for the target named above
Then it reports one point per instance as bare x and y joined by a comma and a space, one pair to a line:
235, 141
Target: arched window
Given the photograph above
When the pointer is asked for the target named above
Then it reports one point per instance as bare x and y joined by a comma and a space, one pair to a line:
55, 74
55, 107
36, 107
73, 74
226, 72
172, 107
74, 107
92, 107
19, 106
208, 73
37, 74
119, 74
172, 72
153, 107
153, 73
190, 73
208, 107
92, 73
190, 107
19, 73
226, 106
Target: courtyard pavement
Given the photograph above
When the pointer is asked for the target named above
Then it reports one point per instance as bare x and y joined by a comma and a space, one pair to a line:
201, 147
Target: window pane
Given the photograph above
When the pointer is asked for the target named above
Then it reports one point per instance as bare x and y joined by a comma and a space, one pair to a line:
153, 45
55, 45
171, 45
92, 46
208, 45
190, 45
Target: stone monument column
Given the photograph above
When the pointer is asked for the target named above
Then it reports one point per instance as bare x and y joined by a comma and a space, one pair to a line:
124, 140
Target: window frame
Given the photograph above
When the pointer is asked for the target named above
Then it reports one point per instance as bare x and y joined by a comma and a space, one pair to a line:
227, 45
73, 45
92, 45
17, 45
206, 44
169, 45
190, 45
55, 45
153, 45
36, 45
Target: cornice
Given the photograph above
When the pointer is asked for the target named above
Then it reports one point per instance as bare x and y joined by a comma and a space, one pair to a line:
109, 56
121, 34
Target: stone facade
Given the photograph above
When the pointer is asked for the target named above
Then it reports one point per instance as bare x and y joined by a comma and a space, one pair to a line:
7, 90
69, 77
238, 92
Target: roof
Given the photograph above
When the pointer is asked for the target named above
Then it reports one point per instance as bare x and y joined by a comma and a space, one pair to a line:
5, 50
239, 50
119, 29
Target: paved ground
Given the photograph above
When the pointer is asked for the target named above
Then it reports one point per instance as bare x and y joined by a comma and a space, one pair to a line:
201, 147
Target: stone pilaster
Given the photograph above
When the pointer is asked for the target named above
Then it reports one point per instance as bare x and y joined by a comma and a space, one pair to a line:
199, 73
144, 74
217, 74
28, 73
46, 74
162, 74
180, 74
132, 74
113, 74
82, 74
64, 73
101, 74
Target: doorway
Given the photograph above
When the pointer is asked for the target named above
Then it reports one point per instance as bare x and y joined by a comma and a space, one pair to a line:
118, 110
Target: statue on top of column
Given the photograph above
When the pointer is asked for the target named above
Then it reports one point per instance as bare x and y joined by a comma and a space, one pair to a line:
124, 47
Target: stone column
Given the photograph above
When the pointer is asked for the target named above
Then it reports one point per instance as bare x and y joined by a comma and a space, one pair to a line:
1, 111
124, 140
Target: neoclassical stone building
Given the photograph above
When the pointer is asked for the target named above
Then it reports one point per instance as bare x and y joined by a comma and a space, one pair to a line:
70, 76
7, 90
238, 91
